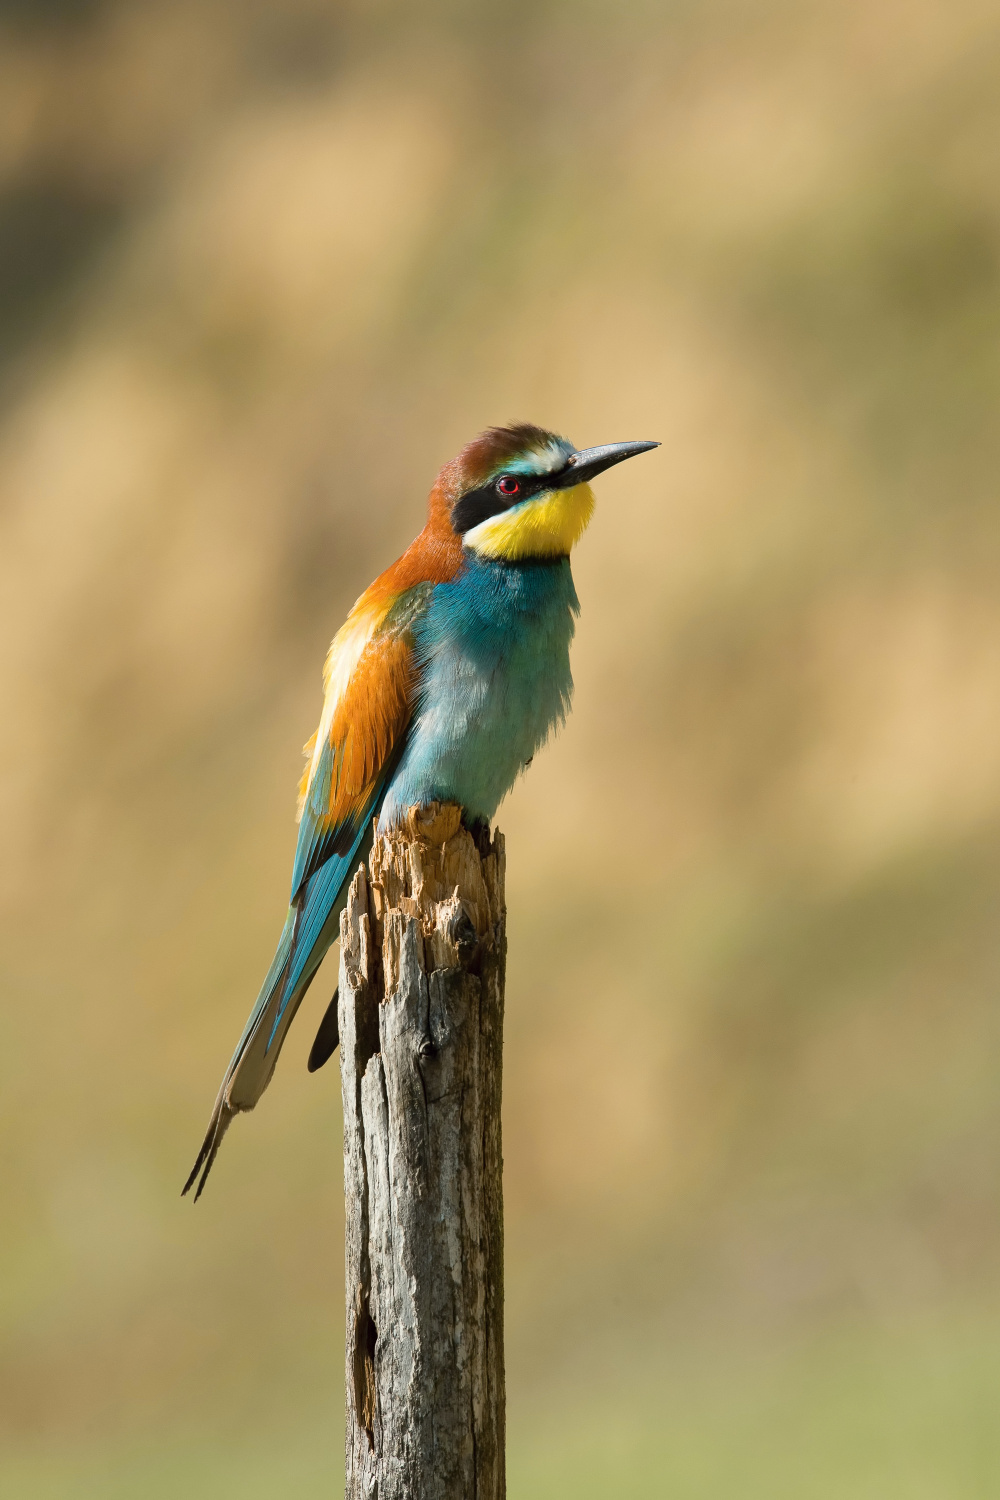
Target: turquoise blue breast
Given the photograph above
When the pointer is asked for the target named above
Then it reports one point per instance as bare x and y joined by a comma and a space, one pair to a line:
493, 649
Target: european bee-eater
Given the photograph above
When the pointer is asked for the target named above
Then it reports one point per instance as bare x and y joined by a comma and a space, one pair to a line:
446, 678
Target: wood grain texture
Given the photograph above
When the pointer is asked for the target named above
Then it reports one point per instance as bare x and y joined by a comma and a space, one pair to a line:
423, 950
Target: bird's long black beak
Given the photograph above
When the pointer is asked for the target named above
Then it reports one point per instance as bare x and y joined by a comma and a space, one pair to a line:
590, 461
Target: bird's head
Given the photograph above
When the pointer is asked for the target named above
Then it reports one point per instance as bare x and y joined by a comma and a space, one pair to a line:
520, 492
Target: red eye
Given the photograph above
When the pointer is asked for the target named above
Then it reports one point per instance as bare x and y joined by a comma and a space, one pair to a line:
508, 486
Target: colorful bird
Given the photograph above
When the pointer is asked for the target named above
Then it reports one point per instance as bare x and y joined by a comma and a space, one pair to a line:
446, 678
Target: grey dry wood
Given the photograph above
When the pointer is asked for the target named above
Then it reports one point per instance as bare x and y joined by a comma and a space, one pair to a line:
423, 949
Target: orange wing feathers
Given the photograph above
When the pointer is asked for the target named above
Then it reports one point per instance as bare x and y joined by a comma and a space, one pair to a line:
432, 557
370, 680
363, 728
369, 719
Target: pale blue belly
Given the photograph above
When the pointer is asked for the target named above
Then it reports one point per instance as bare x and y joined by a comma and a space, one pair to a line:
494, 647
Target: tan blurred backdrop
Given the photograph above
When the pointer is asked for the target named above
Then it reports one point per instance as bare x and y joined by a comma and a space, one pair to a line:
263, 268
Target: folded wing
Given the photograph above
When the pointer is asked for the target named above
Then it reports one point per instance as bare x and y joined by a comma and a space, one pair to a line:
371, 684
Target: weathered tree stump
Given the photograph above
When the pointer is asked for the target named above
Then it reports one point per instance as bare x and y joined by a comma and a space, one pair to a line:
423, 950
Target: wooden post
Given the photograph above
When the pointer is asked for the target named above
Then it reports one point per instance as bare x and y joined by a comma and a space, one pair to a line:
423, 950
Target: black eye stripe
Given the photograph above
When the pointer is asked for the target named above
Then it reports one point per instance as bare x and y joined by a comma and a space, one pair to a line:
479, 505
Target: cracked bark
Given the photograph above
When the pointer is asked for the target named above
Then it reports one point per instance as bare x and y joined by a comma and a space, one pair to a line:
423, 949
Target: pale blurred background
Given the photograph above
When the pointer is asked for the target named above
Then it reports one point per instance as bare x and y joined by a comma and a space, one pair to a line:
263, 268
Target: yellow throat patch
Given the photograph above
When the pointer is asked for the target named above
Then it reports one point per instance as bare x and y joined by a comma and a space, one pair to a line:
548, 526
